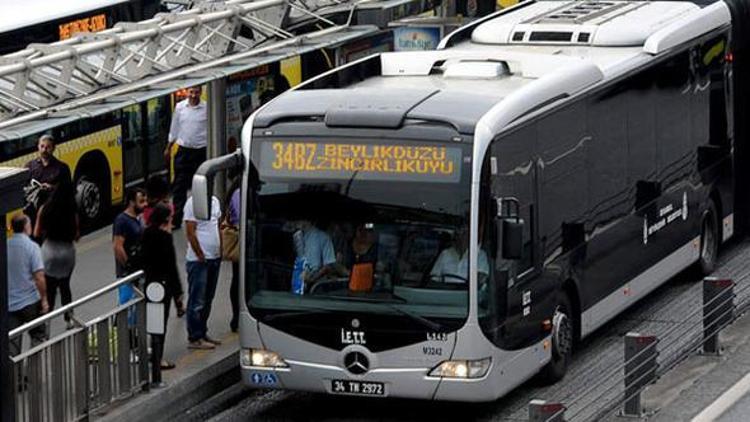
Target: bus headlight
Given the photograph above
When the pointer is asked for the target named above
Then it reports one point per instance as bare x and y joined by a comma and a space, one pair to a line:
462, 368
261, 358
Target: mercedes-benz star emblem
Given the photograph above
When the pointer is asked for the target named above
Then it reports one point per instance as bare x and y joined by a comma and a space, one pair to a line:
356, 363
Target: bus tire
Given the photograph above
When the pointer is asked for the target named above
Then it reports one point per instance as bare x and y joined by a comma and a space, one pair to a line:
90, 199
563, 332
709, 240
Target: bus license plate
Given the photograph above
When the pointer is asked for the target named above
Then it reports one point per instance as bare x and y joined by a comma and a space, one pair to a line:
357, 387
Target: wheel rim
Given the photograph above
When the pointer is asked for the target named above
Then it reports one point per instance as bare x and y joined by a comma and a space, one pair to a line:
562, 333
708, 246
88, 198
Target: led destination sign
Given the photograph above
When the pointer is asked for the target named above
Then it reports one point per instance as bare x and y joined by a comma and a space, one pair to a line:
369, 161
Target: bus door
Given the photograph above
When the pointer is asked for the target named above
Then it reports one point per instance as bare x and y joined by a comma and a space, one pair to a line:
529, 296
158, 119
132, 144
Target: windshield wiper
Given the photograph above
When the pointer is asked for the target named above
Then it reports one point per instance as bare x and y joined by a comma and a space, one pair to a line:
432, 325
297, 313
398, 299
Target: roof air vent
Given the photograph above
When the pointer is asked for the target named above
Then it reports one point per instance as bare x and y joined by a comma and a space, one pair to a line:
551, 36
476, 70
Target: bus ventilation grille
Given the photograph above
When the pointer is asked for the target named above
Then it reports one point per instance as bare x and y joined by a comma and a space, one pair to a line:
581, 12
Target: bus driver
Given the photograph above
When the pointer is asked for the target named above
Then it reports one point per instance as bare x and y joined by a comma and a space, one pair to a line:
452, 265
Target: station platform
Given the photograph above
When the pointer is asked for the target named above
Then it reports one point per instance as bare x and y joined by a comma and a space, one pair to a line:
198, 373
707, 388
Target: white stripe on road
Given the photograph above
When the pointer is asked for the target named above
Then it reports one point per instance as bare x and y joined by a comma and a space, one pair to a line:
725, 401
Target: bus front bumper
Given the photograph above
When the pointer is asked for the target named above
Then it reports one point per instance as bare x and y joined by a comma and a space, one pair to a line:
412, 383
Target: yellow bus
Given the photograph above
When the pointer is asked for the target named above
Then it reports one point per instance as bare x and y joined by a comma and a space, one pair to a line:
118, 144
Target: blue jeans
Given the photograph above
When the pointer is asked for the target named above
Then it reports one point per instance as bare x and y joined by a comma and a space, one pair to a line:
202, 280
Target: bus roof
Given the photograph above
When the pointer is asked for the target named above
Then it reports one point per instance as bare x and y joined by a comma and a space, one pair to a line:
20, 14
526, 58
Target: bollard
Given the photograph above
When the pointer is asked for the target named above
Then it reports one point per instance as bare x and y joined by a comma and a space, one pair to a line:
718, 311
640, 370
541, 411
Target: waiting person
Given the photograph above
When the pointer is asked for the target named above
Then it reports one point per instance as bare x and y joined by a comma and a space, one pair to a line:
47, 171
157, 191
452, 265
160, 266
203, 264
126, 239
189, 130
57, 227
233, 218
27, 293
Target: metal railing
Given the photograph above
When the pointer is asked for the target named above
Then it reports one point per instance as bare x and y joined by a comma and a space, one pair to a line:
87, 367
647, 357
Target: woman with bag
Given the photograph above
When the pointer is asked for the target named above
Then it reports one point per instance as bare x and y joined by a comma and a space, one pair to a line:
230, 242
160, 266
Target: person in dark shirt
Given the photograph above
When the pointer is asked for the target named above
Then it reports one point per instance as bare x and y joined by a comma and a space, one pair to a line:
126, 239
160, 266
126, 233
46, 171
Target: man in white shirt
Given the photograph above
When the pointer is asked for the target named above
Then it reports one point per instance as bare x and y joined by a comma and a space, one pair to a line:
452, 265
203, 261
189, 129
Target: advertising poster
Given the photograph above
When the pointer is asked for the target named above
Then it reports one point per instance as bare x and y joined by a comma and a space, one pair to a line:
247, 91
416, 38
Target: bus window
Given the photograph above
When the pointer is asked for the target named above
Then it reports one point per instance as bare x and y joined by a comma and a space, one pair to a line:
157, 123
132, 142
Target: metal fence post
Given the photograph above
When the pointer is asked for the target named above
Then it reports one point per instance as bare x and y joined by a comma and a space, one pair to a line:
640, 370
541, 411
718, 311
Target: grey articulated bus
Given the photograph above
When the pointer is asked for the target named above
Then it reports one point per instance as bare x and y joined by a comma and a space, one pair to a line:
448, 224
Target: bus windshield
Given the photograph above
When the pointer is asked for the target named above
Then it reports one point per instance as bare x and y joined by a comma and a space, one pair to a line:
357, 227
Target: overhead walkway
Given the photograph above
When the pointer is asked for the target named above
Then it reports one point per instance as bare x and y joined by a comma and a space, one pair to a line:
92, 74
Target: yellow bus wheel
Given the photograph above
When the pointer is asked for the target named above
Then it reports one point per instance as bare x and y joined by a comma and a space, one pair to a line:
89, 199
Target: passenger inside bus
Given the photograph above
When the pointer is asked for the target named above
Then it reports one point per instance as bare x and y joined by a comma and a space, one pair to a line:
366, 257
316, 248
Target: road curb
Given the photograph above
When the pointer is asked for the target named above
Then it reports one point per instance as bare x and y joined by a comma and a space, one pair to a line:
181, 394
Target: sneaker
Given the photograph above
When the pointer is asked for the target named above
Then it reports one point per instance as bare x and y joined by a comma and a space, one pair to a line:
212, 341
201, 345
158, 385
167, 365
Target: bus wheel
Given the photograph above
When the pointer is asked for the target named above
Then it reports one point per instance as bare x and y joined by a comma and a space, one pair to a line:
562, 342
709, 246
89, 199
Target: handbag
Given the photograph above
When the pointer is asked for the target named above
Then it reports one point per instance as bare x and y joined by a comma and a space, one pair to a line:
230, 243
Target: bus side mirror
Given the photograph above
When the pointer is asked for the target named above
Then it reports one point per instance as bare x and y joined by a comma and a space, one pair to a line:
203, 182
512, 237
202, 192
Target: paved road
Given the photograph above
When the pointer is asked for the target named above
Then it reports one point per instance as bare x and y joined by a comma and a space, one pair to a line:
594, 378
95, 269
